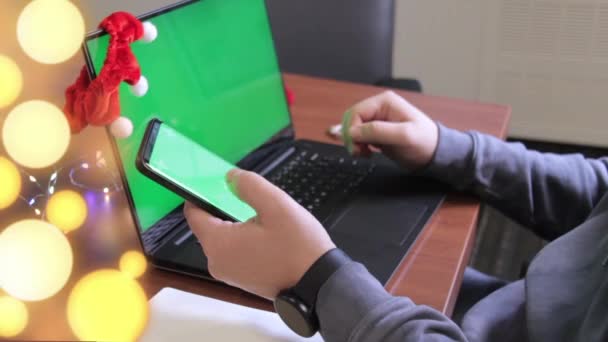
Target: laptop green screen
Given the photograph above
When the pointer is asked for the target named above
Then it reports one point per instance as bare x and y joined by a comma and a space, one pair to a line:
213, 76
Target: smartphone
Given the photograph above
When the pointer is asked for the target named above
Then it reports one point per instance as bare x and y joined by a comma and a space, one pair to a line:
191, 171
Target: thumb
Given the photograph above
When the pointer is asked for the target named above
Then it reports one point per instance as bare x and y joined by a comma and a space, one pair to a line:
379, 133
256, 191
203, 224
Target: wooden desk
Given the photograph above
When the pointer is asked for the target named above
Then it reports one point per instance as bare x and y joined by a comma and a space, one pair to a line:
430, 274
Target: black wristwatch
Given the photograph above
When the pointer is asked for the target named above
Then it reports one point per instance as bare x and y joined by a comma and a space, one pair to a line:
296, 306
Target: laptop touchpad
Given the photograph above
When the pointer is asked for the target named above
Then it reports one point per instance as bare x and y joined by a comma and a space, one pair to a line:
380, 219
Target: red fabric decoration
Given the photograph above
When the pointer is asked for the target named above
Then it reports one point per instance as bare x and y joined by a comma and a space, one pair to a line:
97, 102
291, 96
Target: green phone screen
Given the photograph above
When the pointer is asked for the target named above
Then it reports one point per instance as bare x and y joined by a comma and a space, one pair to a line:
197, 170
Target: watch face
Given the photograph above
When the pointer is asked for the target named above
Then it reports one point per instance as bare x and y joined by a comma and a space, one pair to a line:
296, 315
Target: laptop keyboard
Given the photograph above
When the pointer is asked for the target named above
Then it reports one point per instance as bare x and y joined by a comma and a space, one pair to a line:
312, 179
164, 226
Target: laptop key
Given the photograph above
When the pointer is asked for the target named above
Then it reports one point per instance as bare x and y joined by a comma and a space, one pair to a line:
313, 179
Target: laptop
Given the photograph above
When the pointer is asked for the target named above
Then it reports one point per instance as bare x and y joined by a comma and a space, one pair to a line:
214, 76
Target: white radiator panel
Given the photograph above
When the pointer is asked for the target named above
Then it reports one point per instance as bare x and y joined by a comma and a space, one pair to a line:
549, 60
439, 42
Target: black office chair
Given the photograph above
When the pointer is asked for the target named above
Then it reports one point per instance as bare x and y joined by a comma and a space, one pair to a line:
349, 40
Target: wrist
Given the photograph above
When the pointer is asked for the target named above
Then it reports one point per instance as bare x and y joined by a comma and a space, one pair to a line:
303, 263
427, 149
297, 306
319, 272
452, 155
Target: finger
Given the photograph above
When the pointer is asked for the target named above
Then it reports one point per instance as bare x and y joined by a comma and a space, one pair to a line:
378, 133
383, 107
362, 150
365, 110
365, 151
387, 106
256, 191
201, 222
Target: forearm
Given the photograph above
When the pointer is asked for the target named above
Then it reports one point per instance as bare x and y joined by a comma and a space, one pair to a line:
538, 190
353, 306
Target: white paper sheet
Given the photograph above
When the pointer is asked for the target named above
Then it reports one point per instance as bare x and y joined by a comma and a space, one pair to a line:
177, 316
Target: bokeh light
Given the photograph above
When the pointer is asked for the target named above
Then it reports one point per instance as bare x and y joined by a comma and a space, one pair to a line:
67, 210
133, 264
10, 183
35, 260
50, 31
107, 305
13, 317
11, 81
36, 134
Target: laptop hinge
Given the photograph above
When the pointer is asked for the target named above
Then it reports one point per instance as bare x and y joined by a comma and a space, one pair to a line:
277, 161
169, 236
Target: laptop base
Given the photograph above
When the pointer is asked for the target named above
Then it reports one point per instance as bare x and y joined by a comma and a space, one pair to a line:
376, 225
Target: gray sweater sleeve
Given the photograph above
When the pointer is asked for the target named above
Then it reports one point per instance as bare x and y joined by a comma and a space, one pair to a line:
353, 306
549, 193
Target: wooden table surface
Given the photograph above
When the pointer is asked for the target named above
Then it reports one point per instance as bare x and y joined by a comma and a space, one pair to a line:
430, 274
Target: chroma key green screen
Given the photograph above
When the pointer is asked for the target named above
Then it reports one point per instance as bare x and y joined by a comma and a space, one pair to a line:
213, 76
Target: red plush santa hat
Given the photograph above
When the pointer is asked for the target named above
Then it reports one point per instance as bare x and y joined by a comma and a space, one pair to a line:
97, 102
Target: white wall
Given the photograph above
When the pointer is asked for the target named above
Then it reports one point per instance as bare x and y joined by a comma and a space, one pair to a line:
438, 42
547, 59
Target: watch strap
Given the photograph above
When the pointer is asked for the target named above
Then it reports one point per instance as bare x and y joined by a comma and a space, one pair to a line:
307, 289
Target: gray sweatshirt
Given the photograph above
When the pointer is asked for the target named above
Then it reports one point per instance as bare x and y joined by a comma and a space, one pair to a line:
564, 296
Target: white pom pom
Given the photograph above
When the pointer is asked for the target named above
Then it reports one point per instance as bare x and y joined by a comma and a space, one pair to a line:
150, 32
121, 128
141, 87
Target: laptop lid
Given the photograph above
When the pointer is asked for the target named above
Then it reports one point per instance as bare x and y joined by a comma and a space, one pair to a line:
214, 76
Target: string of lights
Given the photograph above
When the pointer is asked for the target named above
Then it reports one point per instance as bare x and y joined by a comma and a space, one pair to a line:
79, 174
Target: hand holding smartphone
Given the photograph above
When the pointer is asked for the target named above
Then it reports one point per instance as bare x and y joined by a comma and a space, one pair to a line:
191, 171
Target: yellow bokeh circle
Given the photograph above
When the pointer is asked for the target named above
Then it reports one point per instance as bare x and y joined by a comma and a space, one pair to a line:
10, 183
133, 263
36, 134
50, 31
11, 81
13, 317
35, 260
107, 305
67, 210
